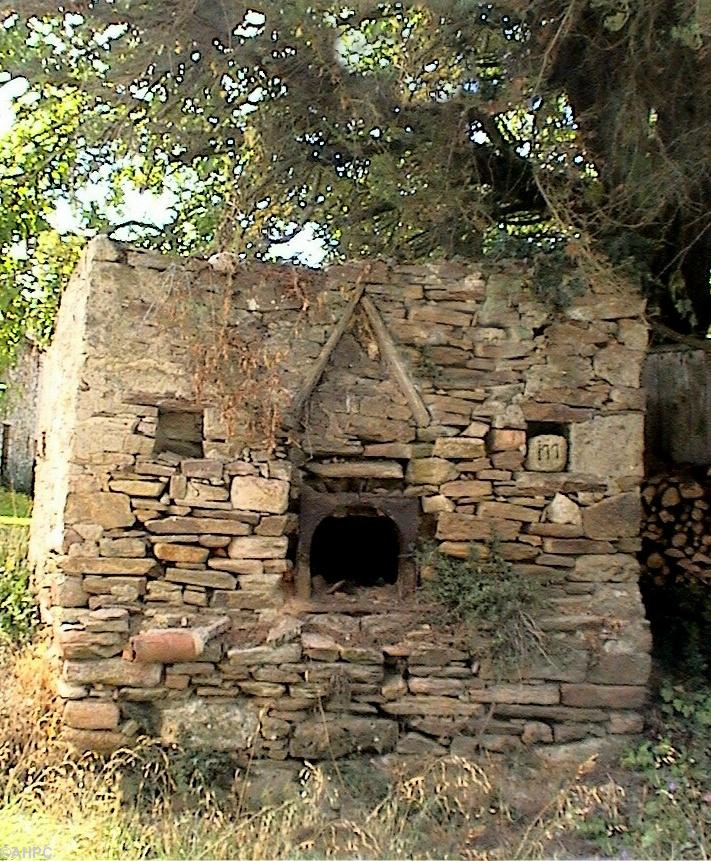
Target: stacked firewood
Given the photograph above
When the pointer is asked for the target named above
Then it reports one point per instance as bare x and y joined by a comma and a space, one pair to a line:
676, 527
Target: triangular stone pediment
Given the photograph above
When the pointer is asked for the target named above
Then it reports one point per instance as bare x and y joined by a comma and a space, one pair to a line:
361, 309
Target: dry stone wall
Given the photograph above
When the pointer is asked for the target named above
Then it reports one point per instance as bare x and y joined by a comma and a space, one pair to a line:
178, 587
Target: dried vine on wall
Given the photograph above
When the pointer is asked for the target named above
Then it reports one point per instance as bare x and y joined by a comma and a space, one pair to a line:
235, 365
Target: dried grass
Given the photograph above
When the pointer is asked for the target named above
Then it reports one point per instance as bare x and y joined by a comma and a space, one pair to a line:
160, 801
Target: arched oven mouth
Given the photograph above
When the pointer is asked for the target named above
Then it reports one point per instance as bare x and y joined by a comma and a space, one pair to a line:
354, 541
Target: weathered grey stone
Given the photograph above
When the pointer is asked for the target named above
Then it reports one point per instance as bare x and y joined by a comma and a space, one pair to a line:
435, 655
101, 248
633, 334
464, 527
200, 494
202, 468
199, 525
74, 643
342, 736
430, 470
476, 429
394, 687
319, 647
576, 546
459, 448
606, 750
536, 732
415, 744
467, 489
551, 713
68, 592
123, 589
207, 725
286, 630
508, 511
110, 510
138, 487
113, 671
508, 693
608, 446
563, 510
469, 747
124, 547
431, 705
431, 504
68, 691
626, 722
354, 469
619, 365
435, 687
270, 690
209, 579
258, 547
236, 566
615, 568
621, 662
278, 525
98, 741
180, 552
113, 566
397, 450
287, 653
250, 493
617, 517
606, 696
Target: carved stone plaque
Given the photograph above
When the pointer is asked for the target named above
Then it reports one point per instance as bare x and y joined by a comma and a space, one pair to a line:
547, 453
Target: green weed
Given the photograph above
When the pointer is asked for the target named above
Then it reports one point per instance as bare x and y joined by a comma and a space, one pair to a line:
482, 593
18, 609
14, 504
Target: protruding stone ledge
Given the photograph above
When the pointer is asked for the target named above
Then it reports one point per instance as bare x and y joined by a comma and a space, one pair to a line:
351, 469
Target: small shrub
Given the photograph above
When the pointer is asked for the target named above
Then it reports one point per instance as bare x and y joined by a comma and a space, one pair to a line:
18, 609
484, 592
556, 280
673, 816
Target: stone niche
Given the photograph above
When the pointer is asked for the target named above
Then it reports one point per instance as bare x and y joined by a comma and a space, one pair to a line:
264, 600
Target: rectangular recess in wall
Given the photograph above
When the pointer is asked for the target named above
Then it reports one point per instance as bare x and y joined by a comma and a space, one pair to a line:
179, 432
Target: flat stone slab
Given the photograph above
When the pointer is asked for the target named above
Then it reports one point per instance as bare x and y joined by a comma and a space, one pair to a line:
191, 525
353, 469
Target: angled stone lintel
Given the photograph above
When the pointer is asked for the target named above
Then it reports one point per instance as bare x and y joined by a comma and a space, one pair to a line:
395, 363
388, 350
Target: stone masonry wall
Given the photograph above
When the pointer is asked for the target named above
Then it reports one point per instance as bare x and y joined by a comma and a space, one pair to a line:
170, 581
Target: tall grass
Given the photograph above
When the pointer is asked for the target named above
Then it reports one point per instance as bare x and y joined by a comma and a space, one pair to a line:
159, 801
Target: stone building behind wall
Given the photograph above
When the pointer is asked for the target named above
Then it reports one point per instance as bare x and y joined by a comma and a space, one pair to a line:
18, 414
209, 589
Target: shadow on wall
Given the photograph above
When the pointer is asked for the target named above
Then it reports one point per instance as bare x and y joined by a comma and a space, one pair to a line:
678, 423
676, 497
